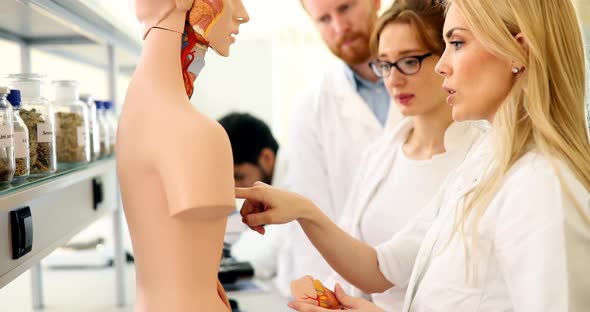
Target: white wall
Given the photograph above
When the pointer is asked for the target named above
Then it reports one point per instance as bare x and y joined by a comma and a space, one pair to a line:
241, 82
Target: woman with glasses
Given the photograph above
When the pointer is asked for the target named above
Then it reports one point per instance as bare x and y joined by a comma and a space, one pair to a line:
406, 166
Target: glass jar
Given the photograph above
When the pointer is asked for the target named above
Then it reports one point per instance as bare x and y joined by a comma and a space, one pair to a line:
104, 129
111, 116
37, 113
93, 125
22, 155
6, 139
72, 132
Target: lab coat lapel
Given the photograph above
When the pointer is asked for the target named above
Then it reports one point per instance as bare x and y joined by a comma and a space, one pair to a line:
468, 175
422, 261
351, 103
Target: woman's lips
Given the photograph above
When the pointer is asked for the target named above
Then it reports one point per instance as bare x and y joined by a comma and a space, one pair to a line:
404, 99
451, 99
451, 93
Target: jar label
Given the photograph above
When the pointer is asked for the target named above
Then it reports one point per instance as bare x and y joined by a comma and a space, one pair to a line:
21, 145
44, 133
81, 136
5, 136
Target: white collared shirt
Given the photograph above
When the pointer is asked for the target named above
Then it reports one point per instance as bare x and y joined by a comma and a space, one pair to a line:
533, 252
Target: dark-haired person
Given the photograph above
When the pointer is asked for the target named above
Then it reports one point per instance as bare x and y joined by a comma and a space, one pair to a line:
256, 158
254, 148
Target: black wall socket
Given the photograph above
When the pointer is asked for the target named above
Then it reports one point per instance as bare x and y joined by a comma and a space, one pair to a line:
21, 224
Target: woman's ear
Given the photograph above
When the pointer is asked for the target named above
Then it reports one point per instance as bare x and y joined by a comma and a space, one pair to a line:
266, 160
184, 5
524, 43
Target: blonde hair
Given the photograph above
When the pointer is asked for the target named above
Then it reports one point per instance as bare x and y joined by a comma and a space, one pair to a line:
545, 107
426, 17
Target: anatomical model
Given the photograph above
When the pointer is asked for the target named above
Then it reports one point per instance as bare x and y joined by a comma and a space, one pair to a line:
175, 164
312, 291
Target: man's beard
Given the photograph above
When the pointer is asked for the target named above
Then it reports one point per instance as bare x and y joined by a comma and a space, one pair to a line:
360, 51
354, 54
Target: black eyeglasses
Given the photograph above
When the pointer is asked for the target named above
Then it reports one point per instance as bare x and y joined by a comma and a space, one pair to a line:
408, 65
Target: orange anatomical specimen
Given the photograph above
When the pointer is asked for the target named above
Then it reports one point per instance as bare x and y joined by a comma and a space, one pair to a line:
309, 290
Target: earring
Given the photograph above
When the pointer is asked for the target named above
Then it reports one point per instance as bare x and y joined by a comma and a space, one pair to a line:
515, 70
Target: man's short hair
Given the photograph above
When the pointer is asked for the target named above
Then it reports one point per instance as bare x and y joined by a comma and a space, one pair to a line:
248, 136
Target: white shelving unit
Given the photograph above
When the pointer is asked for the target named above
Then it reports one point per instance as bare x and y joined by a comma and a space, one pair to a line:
61, 205
67, 28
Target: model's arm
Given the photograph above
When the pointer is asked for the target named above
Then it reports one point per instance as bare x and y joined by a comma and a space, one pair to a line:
196, 168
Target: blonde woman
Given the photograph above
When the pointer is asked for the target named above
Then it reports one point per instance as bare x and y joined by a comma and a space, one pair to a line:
510, 229
405, 167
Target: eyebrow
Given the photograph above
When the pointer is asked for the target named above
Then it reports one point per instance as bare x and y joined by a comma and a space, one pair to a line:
450, 32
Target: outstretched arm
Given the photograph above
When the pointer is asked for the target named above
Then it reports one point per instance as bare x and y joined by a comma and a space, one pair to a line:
354, 260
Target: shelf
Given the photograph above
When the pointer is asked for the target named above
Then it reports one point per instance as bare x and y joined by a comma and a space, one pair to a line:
67, 28
61, 206
35, 187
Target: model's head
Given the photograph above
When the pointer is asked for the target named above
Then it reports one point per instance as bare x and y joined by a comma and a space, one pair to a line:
207, 23
345, 26
521, 65
214, 20
253, 146
150, 13
217, 21
407, 44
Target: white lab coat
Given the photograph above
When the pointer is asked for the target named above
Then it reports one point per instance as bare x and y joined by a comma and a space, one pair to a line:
331, 127
377, 164
533, 252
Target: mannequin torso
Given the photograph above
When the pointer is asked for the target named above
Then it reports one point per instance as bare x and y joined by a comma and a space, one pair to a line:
176, 173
